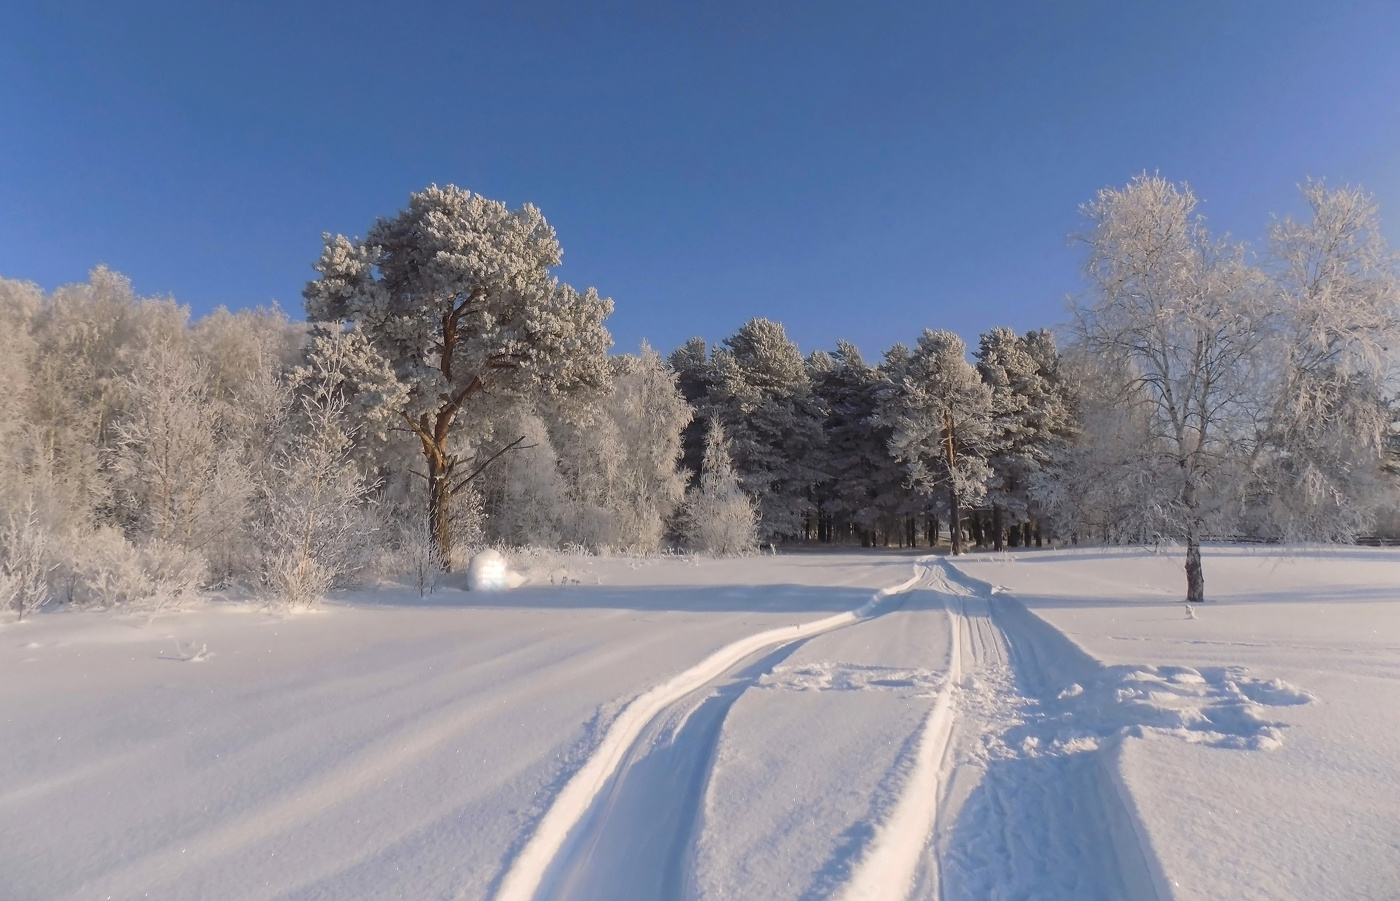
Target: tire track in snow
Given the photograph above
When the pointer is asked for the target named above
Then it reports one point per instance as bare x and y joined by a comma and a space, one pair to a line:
891, 863
553, 836
1053, 825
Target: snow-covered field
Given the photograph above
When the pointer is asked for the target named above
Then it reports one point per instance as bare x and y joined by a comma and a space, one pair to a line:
1047, 724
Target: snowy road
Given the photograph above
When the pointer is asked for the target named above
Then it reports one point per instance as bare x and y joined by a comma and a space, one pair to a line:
827, 726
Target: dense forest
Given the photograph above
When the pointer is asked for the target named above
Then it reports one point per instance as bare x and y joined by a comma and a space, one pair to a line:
445, 393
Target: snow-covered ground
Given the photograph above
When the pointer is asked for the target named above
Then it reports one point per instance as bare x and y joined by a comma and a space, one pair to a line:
1047, 724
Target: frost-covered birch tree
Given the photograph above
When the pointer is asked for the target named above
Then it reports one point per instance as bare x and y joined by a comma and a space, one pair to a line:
1335, 324
1258, 398
455, 293
1181, 312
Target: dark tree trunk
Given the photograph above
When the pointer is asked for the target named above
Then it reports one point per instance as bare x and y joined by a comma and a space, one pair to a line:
1026, 533
955, 527
1195, 576
998, 528
440, 512
1037, 534
1013, 535
933, 531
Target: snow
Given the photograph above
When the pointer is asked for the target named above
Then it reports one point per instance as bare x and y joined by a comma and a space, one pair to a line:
1268, 765
1044, 724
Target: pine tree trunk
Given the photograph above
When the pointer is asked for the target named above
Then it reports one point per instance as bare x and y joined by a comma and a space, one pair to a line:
440, 515
933, 531
1195, 576
998, 528
954, 529
1037, 534
1026, 533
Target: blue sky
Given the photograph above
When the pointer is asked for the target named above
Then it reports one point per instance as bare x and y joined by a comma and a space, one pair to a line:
855, 170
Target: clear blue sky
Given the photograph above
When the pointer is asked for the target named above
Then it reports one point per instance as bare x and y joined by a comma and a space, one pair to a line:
856, 170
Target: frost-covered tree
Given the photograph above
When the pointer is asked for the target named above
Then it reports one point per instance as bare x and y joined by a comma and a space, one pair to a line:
26, 559
695, 379
1030, 417
1220, 396
719, 517
621, 460
1334, 298
941, 415
455, 293
764, 400
1181, 312
314, 523
865, 485
176, 481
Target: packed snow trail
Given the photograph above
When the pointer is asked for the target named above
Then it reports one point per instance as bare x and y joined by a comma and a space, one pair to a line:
888, 870
552, 837
1028, 811
636, 843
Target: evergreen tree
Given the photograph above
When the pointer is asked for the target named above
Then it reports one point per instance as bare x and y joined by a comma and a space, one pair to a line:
455, 293
763, 397
719, 517
1030, 418
941, 412
695, 379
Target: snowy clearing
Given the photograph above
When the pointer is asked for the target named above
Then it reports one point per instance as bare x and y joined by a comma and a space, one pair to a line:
1047, 724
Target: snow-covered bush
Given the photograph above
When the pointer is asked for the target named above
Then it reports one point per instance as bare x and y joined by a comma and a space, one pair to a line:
718, 517
315, 525
26, 560
101, 569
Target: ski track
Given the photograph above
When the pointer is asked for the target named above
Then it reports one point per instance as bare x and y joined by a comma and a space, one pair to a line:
549, 852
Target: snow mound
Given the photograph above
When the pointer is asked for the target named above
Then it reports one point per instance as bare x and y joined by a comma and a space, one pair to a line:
1219, 706
827, 676
487, 571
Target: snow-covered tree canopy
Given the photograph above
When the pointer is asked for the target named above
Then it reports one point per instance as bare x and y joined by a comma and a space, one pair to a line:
455, 293
1243, 396
940, 410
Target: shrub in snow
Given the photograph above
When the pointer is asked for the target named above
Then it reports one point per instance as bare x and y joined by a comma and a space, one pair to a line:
718, 517
25, 563
103, 569
175, 573
315, 524
413, 553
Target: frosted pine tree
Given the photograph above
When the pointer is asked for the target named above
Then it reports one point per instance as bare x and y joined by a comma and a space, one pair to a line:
764, 399
719, 517
455, 293
695, 379
866, 484
1030, 418
941, 415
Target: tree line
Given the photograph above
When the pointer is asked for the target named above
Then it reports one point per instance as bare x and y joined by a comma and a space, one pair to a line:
445, 392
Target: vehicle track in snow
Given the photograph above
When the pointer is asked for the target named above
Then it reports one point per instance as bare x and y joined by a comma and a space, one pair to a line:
651, 768
1031, 804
